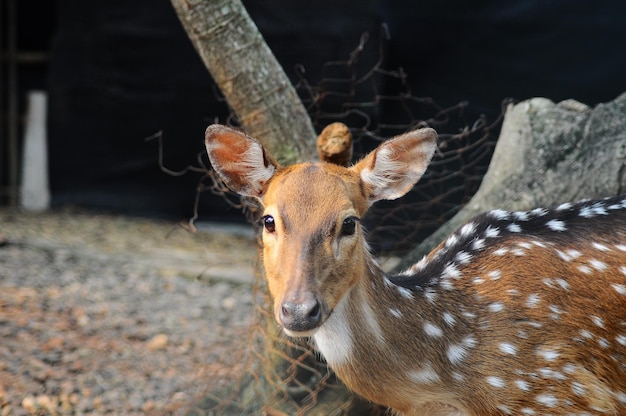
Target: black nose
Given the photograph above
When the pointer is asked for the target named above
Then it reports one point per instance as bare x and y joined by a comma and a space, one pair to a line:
301, 316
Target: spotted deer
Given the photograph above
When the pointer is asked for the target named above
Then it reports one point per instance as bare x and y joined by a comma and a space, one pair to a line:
516, 313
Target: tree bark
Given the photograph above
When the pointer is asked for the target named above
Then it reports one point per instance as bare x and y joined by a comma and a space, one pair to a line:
251, 79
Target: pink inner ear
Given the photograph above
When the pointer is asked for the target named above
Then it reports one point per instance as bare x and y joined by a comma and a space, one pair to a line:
227, 146
239, 160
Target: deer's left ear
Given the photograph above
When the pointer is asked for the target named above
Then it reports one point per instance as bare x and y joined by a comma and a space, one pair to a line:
391, 170
241, 161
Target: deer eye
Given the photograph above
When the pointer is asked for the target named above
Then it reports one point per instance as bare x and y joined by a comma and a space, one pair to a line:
348, 226
268, 223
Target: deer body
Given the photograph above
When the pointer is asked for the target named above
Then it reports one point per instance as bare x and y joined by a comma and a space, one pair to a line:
516, 313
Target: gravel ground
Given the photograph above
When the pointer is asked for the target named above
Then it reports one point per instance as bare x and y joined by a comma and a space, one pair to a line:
104, 314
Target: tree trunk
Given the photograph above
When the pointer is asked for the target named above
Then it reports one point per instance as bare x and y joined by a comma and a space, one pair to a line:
251, 79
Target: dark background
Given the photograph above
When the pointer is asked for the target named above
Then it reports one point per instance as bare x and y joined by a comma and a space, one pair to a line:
120, 71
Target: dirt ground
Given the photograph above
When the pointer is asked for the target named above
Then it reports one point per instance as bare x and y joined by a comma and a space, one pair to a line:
104, 314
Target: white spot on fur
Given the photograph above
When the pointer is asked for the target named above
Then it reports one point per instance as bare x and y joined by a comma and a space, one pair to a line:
496, 307
446, 284
570, 368
492, 232
586, 334
501, 251
508, 348
522, 385
592, 210
621, 289
547, 400
469, 315
551, 374
448, 318
620, 247
420, 265
456, 353
451, 271
597, 321
533, 300
463, 257
468, 229
600, 247
395, 312
499, 214
564, 256
504, 409
405, 293
478, 244
563, 283
521, 216
424, 376
585, 269
496, 382
621, 339
452, 240
370, 318
569, 255
494, 274
528, 411
514, 228
578, 388
430, 295
548, 354
469, 341
564, 206
555, 311
574, 254
432, 330
556, 225
598, 265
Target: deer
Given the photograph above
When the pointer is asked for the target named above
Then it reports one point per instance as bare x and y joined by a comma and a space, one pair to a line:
515, 313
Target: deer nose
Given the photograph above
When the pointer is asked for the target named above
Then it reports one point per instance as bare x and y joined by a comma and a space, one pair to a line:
301, 316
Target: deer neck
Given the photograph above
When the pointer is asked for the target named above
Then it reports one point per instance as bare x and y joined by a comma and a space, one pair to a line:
355, 322
372, 334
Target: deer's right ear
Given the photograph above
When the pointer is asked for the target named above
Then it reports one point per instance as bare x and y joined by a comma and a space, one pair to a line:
241, 161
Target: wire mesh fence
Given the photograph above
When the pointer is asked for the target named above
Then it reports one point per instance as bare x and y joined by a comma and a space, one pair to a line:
284, 375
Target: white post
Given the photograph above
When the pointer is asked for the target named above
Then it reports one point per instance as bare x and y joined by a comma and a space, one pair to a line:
35, 192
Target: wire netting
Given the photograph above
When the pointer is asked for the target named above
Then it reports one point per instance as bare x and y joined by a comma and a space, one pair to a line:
285, 376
